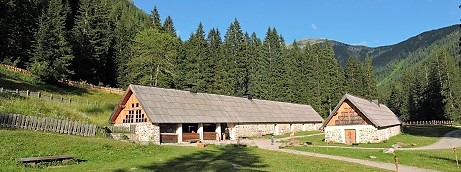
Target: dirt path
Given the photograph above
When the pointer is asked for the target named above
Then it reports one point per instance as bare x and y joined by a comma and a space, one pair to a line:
265, 144
449, 141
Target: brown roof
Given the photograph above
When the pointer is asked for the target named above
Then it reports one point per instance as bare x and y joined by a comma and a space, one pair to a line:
177, 106
380, 115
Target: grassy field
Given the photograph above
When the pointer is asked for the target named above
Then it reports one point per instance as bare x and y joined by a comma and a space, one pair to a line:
442, 160
97, 112
412, 136
101, 154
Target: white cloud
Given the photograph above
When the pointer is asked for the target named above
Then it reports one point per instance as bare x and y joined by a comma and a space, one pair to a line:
364, 43
314, 27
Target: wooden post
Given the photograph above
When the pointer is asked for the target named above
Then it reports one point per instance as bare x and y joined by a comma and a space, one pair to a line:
70, 100
51, 96
62, 99
39, 94
1, 90
456, 157
396, 161
27, 93
17, 91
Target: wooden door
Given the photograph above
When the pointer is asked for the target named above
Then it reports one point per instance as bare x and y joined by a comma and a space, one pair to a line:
350, 135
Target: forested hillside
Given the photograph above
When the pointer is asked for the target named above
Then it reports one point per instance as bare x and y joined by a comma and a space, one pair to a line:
417, 78
111, 42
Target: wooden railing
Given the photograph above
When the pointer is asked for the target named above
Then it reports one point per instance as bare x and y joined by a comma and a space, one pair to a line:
168, 138
190, 136
433, 122
209, 135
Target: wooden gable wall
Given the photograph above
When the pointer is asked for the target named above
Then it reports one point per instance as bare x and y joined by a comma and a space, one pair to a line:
129, 112
347, 114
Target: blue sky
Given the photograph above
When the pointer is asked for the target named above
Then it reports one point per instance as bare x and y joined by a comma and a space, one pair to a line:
357, 22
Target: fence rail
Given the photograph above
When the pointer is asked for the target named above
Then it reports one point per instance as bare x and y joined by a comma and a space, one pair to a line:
47, 124
72, 83
56, 98
433, 122
16, 69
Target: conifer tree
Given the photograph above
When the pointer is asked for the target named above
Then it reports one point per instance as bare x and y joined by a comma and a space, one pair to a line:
196, 59
92, 38
332, 90
234, 54
256, 66
155, 19
273, 46
354, 77
370, 90
168, 26
52, 53
216, 81
154, 54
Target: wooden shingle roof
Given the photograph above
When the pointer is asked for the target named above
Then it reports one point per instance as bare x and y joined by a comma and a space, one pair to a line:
379, 114
177, 106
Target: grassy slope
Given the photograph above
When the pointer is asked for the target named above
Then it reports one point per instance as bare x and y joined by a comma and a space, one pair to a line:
93, 113
102, 154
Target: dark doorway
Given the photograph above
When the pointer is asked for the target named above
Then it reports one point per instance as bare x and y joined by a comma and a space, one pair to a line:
189, 127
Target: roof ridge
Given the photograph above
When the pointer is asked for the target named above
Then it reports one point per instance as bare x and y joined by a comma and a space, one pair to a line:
178, 90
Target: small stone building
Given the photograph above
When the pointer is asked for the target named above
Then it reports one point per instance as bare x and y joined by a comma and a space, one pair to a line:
357, 120
162, 115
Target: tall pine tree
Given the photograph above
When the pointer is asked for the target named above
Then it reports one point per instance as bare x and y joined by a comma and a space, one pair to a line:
52, 53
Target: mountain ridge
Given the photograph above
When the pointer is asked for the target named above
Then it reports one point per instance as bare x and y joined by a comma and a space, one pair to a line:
387, 57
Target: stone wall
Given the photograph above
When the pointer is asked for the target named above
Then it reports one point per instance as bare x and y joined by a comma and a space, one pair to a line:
364, 133
334, 134
311, 126
257, 129
386, 133
296, 127
284, 128
368, 134
145, 132
250, 130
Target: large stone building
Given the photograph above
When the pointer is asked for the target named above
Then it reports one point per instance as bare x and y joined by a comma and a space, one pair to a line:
171, 116
357, 120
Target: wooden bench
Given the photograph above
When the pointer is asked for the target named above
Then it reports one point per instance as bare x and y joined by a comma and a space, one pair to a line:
32, 161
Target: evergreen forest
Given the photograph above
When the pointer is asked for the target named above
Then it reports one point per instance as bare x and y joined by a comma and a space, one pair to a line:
113, 43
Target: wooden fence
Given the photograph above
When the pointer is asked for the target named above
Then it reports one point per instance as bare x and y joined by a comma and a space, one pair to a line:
56, 98
433, 122
93, 87
72, 83
47, 124
16, 69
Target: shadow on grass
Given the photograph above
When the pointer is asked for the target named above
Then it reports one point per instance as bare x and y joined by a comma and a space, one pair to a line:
225, 158
55, 88
98, 109
427, 130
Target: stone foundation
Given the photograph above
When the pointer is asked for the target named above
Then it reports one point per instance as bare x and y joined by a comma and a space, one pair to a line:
145, 132
364, 133
251, 130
